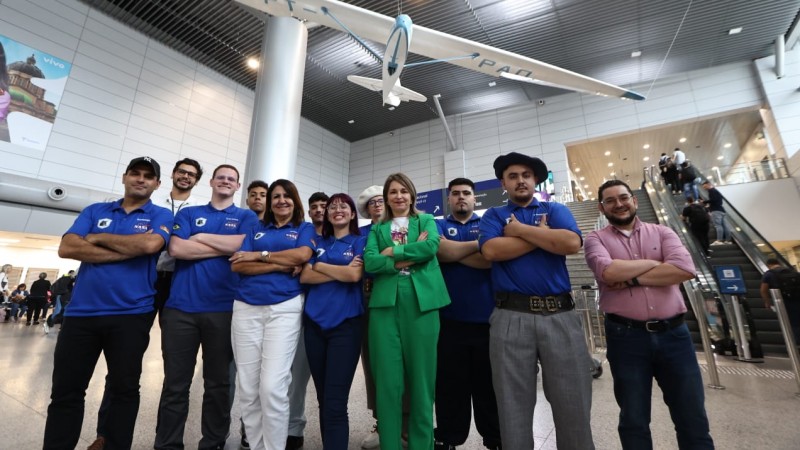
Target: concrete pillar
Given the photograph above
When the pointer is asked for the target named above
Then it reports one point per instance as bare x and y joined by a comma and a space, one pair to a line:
279, 94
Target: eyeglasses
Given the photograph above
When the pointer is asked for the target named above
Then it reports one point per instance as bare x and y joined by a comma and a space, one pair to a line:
611, 201
186, 173
338, 207
377, 202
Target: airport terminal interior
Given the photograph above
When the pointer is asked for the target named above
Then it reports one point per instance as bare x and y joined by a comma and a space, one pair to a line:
296, 89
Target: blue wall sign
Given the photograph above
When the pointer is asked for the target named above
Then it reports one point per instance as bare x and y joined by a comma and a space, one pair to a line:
730, 280
431, 202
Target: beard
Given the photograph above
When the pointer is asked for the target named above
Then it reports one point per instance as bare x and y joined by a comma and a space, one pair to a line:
614, 220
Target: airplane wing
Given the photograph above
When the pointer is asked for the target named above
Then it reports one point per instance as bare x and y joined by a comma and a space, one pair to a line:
437, 45
372, 84
398, 91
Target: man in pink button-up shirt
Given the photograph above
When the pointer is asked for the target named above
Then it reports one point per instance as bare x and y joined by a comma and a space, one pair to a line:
638, 267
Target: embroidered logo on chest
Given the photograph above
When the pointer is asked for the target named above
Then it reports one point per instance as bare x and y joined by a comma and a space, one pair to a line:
104, 223
200, 221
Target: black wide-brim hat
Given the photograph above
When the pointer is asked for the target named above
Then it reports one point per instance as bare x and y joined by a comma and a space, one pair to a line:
535, 164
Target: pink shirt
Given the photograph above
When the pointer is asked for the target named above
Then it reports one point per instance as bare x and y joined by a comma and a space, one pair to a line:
647, 241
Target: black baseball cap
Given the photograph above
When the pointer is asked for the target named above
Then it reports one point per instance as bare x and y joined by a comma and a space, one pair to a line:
535, 164
146, 160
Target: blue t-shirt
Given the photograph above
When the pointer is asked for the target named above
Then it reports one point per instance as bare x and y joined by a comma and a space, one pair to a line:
470, 289
329, 304
364, 233
122, 287
208, 284
274, 287
538, 272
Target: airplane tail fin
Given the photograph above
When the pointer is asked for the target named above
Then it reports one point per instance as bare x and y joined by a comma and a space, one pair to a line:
397, 94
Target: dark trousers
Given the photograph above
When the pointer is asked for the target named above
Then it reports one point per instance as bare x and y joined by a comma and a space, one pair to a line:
163, 288
123, 340
35, 306
700, 232
464, 384
332, 358
636, 357
182, 334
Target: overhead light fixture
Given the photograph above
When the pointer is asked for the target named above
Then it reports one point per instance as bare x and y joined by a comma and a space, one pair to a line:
492, 83
610, 164
646, 158
720, 157
607, 153
351, 121
682, 140
727, 145
636, 54
583, 178
586, 186
252, 63
391, 108
613, 174
646, 146
736, 30
577, 169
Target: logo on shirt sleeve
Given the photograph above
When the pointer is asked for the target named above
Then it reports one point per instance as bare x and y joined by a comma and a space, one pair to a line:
176, 227
164, 229
258, 235
320, 252
104, 223
200, 221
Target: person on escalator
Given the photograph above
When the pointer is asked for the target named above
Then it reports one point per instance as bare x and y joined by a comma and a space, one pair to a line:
690, 178
788, 281
714, 203
697, 217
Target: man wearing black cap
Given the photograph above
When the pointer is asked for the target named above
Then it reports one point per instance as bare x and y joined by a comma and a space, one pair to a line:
534, 321
111, 310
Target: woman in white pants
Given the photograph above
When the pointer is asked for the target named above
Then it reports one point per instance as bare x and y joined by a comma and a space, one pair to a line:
267, 314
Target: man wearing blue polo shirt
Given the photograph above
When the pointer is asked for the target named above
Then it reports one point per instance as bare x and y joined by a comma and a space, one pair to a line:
534, 319
464, 373
198, 313
111, 309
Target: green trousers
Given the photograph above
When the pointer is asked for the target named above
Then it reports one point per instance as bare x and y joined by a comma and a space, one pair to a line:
402, 350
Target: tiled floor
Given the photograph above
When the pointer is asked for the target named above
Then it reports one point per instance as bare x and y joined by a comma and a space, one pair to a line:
757, 410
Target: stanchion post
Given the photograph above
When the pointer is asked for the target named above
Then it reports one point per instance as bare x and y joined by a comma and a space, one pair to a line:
744, 345
696, 301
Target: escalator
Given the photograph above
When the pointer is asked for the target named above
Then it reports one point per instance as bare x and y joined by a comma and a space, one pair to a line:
749, 252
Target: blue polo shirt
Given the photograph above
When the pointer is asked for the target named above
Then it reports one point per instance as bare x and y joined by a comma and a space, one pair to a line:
329, 304
470, 289
275, 287
538, 272
122, 287
208, 284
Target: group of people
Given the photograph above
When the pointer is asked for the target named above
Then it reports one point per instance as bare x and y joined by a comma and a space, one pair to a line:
679, 174
451, 317
700, 214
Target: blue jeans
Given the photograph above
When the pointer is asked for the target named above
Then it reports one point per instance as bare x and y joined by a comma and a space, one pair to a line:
718, 219
690, 189
333, 357
636, 356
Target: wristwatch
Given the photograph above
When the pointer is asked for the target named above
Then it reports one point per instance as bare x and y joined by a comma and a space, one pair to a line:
265, 255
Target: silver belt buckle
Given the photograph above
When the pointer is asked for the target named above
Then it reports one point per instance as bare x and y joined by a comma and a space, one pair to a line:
651, 322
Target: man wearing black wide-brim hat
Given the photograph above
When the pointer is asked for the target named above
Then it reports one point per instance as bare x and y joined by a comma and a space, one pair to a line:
534, 320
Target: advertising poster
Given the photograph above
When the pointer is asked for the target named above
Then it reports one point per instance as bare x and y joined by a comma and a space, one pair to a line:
31, 85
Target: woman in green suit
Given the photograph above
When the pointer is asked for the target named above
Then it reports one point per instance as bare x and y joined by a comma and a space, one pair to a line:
407, 293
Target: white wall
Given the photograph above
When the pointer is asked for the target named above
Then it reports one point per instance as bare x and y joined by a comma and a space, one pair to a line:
128, 95
772, 207
544, 131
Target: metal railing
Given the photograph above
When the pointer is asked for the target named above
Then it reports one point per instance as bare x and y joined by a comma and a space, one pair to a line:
788, 334
749, 171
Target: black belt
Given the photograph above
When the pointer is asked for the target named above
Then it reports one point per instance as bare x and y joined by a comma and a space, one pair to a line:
653, 326
534, 304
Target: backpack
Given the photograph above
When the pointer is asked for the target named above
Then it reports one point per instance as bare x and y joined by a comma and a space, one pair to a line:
789, 284
697, 214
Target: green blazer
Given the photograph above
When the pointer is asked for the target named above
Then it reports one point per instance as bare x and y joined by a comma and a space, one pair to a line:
425, 273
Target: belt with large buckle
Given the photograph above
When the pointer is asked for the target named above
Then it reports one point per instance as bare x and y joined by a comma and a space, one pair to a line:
651, 326
534, 304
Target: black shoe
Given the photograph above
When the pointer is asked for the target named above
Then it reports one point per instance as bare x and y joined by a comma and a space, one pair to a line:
294, 442
36, 322
27, 324
244, 444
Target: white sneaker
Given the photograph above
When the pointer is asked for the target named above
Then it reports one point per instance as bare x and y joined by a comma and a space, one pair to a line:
46, 328
372, 440
717, 243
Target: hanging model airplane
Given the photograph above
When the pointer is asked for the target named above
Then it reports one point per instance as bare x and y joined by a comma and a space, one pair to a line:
433, 44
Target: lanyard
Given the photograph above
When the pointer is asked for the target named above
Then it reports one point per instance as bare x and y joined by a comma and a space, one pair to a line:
172, 205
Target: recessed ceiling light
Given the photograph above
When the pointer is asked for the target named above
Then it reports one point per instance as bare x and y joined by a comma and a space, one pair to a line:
727, 145
736, 30
610, 164
252, 63
646, 146
682, 140
720, 157
583, 178
577, 169
492, 83
613, 174
351, 121
607, 153
391, 108
586, 186
636, 54
646, 158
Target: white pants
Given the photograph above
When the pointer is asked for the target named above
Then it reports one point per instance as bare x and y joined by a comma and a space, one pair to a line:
264, 342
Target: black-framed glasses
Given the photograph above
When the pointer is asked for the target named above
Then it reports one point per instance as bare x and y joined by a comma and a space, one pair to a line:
186, 173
